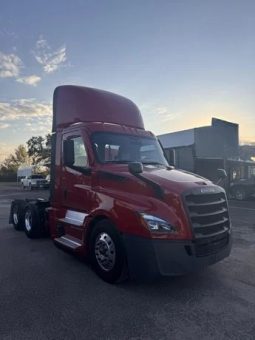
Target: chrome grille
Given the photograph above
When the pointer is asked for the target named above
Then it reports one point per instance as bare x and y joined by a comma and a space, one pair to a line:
208, 214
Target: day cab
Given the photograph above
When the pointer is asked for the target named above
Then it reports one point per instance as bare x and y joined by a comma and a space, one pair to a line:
115, 200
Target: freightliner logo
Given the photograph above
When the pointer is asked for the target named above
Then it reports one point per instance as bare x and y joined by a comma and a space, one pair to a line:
208, 190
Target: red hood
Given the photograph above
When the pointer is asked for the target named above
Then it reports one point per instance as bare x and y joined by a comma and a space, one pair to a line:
156, 191
174, 180
170, 181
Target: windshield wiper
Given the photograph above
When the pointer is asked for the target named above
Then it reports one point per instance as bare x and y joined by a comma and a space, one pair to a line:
153, 163
168, 167
129, 161
119, 162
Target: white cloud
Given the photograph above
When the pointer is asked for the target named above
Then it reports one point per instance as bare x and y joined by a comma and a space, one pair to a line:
10, 65
26, 116
6, 150
50, 59
7, 33
24, 109
163, 114
4, 126
39, 129
156, 113
32, 80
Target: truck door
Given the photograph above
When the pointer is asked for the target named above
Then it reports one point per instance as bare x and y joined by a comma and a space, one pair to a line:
75, 182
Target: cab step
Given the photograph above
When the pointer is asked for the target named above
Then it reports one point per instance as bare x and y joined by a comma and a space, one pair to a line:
75, 218
69, 241
66, 220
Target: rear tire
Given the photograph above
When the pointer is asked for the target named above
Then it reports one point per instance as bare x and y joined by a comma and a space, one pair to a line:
34, 224
18, 214
107, 252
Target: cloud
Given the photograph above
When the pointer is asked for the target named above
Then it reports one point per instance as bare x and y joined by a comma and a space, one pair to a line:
32, 80
10, 65
26, 116
25, 110
4, 126
156, 113
163, 114
6, 150
50, 59
7, 33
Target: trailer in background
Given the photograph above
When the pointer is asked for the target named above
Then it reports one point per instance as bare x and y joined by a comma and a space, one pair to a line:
28, 170
24, 171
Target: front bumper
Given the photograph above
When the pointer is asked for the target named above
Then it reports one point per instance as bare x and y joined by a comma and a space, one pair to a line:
40, 185
148, 258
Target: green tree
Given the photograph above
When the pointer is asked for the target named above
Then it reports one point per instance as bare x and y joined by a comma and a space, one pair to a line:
12, 162
47, 150
9, 167
39, 149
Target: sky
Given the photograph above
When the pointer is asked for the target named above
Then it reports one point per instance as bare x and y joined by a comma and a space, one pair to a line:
181, 61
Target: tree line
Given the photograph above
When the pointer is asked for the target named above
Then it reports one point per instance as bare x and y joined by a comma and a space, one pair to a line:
36, 151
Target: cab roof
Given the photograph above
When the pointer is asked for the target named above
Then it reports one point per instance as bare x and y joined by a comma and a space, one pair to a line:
72, 104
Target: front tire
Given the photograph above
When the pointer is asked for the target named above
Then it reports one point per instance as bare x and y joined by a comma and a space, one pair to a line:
107, 252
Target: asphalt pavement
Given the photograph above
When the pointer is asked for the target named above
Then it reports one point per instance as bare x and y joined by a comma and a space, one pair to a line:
46, 293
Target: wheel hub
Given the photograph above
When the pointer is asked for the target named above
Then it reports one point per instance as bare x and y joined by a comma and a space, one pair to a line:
28, 220
15, 217
105, 251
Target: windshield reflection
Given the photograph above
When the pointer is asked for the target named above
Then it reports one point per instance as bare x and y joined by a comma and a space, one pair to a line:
121, 149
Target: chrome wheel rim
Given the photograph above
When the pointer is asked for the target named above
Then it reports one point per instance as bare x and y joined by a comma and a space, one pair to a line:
239, 195
28, 220
105, 251
15, 217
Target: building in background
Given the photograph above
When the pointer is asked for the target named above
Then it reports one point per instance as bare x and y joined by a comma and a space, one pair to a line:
205, 149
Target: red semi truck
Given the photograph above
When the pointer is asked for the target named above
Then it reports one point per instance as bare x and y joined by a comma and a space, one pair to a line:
115, 200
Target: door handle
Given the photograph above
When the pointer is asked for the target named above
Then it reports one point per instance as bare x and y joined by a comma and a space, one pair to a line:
65, 193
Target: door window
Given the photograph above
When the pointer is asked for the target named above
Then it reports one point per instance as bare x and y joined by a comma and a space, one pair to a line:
80, 155
75, 154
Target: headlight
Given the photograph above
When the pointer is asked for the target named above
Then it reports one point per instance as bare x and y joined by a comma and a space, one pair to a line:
157, 224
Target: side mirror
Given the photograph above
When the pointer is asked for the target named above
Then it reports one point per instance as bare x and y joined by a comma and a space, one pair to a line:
68, 152
135, 167
221, 174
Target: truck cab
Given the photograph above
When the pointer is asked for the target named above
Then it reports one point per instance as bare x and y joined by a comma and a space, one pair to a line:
115, 200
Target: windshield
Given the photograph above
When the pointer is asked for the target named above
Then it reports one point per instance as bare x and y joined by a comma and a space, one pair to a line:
120, 148
37, 177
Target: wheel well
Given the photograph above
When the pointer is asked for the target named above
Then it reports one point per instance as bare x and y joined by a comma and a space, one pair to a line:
92, 224
119, 271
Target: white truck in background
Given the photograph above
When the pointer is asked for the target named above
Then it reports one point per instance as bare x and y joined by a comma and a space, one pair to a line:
32, 176
34, 182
